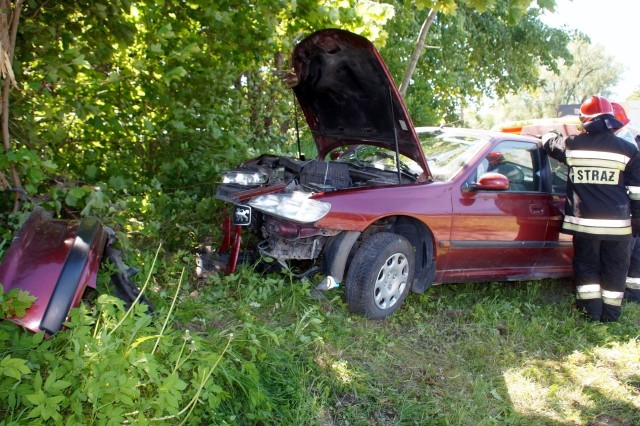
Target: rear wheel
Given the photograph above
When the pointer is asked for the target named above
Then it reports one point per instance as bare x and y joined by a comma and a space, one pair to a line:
380, 275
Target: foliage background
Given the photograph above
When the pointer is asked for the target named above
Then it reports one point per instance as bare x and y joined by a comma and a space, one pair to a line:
131, 109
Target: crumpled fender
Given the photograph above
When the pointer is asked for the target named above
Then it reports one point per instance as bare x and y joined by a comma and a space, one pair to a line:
54, 260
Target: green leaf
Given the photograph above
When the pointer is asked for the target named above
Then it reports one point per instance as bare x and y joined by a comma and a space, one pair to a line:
14, 367
96, 200
148, 125
192, 48
166, 32
49, 165
37, 338
117, 183
37, 398
175, 73
74, 195
15, 303
37, 381
36, 412
547, 4
80, 61
90, 171
53, 386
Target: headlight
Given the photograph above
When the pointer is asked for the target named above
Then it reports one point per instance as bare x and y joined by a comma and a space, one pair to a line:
244, 177
297, 206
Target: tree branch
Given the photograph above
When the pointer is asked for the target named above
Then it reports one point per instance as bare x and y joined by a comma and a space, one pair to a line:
413, 62
8, 31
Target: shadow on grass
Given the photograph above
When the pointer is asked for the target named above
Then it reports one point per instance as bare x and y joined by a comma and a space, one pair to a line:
500, 353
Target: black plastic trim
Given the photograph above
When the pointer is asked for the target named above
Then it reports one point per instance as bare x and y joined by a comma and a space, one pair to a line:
506, 244
334, 260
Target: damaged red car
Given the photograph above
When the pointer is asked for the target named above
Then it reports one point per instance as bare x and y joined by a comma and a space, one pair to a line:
386, 208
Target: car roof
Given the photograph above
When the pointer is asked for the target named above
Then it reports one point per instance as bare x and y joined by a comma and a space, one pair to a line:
463, 131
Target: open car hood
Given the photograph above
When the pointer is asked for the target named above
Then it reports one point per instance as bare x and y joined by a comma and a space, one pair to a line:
348, 96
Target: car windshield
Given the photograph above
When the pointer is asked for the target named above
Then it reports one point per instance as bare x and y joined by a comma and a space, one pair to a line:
379, 158
448, 152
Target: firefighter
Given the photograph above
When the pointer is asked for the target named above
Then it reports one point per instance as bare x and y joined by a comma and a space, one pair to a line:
632, 290
602, 210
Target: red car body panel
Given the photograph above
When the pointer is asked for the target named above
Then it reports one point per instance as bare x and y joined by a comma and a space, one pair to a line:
356, 209
54, 260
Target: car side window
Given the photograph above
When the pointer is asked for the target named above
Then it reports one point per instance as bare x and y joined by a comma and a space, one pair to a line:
518, 161
559, 173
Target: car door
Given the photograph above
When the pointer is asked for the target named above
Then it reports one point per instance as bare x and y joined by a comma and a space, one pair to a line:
556, 256
500, 234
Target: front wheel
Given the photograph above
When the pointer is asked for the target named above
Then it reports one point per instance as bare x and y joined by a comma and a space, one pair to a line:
380, 275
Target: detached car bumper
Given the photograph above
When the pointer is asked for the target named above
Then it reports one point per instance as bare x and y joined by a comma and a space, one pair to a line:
55, 261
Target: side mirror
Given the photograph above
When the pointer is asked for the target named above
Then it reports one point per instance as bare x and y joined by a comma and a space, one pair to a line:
491, 182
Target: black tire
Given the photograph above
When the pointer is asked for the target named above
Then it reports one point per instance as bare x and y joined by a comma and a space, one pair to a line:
380, 275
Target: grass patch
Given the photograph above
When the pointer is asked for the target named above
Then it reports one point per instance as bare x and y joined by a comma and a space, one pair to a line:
498, 353
254, 348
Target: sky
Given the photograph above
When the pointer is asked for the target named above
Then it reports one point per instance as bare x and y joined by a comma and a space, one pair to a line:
610, 23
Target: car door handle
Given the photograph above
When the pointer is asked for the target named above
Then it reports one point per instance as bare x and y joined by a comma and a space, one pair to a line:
536, 208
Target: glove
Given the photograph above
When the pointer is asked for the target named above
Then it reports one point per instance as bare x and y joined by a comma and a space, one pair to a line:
553, 134
635, 226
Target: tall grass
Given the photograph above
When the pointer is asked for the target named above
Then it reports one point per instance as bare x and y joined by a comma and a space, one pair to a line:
254, 348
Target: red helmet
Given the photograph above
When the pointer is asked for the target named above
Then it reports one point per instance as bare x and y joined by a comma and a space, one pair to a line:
620, 113
595, 106
495, 158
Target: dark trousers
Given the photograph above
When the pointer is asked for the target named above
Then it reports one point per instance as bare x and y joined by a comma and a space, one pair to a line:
632, 291
600, 272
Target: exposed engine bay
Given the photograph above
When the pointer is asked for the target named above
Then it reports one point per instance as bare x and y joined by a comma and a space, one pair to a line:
313, 176
284, 237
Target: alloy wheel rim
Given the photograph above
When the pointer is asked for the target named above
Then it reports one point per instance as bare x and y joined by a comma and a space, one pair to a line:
391, 281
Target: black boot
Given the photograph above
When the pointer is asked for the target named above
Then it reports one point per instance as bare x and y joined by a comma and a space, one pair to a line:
592, 308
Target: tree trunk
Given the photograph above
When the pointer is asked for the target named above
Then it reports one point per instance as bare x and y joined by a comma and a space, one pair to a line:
8, 30
413, 62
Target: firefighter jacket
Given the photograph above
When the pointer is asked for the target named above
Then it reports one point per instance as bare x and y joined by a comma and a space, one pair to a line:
603, 186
